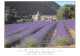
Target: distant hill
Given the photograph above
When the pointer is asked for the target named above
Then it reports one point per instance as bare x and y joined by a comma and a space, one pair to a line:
29, 8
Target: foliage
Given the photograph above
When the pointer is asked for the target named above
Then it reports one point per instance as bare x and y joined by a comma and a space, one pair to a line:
62, 40
10, 15
66, 12
30, 42
23, 20
53, 19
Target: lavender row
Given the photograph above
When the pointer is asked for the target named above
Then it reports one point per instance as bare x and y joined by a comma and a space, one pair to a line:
60, 33
11, 26
19, 36
37, 38
70, 23
16, 26
26, 25
19, 29
15, 31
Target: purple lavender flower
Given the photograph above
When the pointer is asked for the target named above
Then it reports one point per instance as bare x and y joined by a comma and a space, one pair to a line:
70, 23
60, 33
37, 38
12, 38
15, 31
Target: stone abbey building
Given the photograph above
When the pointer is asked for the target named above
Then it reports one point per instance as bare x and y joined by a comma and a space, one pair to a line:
39, 17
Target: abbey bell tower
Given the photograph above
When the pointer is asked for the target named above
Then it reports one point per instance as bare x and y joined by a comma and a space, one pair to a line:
38, 15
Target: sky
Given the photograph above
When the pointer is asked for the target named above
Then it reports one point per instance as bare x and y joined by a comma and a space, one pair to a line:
61, 3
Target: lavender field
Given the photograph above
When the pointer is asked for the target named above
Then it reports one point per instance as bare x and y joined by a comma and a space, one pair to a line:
40, 34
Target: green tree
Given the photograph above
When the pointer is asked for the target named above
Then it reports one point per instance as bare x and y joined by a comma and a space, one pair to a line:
66, 12
7, 13
10, 15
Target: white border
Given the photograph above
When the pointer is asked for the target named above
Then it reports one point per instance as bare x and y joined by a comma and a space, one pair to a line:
12, 51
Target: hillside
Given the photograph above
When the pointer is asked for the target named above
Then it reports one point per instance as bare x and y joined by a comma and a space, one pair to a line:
29, 8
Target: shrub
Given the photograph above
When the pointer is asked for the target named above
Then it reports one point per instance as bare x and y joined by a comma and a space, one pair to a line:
30, 42
62, 40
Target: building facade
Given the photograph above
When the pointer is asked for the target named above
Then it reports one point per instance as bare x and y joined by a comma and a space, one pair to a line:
39, 17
